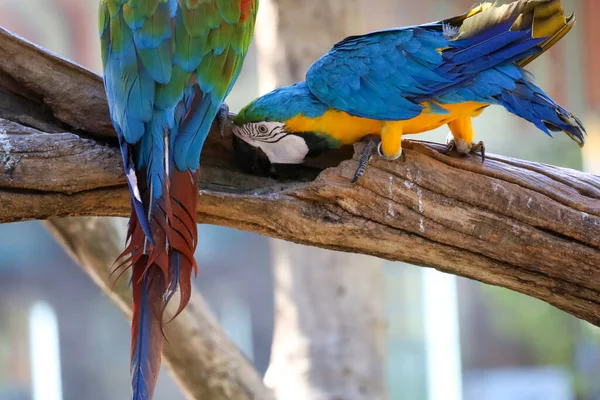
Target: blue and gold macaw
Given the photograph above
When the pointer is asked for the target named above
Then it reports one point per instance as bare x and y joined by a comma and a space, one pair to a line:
168, 66
410, 80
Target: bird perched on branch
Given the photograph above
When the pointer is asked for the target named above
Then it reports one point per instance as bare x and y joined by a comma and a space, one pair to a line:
168, 66
410, 80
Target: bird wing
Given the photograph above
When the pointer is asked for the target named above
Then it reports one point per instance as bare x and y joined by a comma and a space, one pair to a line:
212, 40
387, 75
163, 57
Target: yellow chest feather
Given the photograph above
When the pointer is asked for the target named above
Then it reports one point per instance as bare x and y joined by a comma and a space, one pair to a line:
349, 129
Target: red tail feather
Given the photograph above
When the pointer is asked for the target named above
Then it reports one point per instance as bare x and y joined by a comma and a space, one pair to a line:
159, 269
146, 329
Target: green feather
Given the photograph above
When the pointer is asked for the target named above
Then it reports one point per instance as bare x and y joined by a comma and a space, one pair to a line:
120, 34
103, 21
103, 18
169, 94
249, 114
200, 20
230, 10
158, 61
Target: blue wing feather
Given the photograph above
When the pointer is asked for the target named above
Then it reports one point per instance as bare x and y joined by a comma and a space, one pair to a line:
387, 75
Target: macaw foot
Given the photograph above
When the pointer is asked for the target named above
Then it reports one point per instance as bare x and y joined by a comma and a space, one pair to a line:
365, 157
479, 148
223, 119
367, 154
400, 155
462, 147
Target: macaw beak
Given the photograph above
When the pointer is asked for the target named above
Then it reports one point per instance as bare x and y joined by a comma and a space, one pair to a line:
251, 159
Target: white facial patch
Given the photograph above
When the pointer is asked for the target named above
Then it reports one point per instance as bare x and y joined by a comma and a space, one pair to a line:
279, 146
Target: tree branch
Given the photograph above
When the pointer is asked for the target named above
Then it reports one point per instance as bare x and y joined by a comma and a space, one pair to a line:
528, 227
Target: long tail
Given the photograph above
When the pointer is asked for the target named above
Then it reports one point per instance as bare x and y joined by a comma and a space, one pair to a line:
531, 103
161, 265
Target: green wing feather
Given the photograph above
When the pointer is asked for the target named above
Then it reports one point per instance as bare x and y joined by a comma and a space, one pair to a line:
213, 51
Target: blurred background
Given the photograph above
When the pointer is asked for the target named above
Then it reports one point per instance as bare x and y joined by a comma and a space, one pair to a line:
493, 343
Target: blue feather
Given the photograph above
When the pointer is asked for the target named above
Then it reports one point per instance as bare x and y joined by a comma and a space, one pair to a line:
158, 62
140, 351
193, 131
190, 61
531, 103
136, 200
145, 354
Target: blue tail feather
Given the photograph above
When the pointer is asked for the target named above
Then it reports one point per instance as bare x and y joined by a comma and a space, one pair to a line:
132, 182
147, 333
531, 103
194, 130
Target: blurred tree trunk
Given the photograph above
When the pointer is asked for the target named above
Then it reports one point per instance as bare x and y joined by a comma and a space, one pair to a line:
330, 337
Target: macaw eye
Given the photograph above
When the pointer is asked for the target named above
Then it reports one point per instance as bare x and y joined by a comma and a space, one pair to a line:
263, 129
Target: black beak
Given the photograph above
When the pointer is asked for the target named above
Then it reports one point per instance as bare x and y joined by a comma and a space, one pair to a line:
251, 159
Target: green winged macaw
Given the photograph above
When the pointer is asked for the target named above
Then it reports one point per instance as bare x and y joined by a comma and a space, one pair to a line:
410, 80
168, 66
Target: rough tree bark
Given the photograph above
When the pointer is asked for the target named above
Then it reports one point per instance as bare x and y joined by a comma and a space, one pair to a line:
330, 339
525, 226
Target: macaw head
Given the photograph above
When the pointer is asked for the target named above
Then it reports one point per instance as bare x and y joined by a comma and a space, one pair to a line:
261, 141
270, 136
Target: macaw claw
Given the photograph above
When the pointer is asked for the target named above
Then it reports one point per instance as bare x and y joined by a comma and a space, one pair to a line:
463, 148
479, 148
367, 155
399, 155
223, 119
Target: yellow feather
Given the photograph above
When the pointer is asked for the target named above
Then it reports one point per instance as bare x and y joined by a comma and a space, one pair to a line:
338, 124
349, 129
479, 9
548, 19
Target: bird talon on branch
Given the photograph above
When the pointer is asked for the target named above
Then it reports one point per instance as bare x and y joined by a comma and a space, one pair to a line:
464, 149
479, 148
450, 145
365, 157
400, 155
